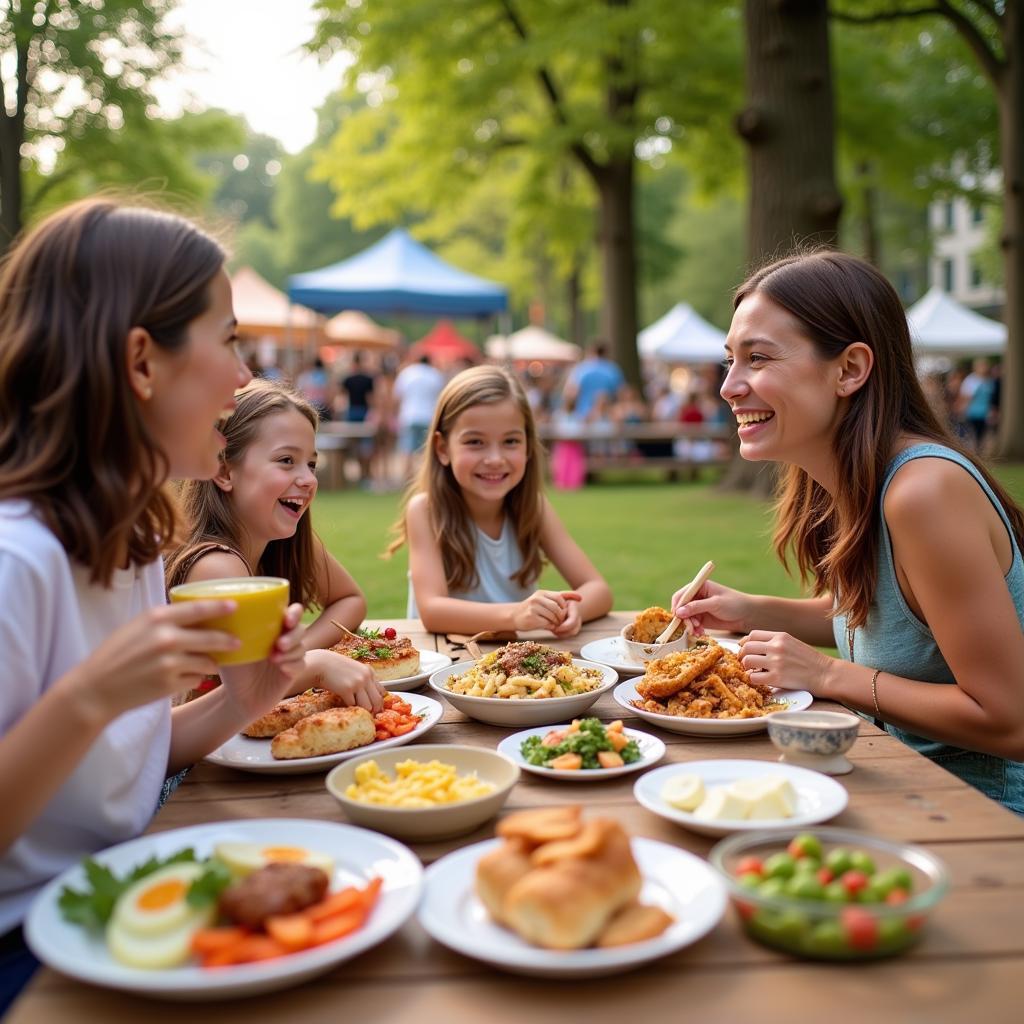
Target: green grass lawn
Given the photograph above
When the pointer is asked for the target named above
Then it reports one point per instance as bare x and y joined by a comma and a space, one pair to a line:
647, 538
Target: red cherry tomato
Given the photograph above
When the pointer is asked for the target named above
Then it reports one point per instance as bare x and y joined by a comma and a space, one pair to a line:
854, 881
750, 866
390, 633
897, 897
825, 875
860, 927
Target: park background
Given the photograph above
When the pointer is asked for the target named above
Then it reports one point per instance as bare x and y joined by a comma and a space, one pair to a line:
602, 159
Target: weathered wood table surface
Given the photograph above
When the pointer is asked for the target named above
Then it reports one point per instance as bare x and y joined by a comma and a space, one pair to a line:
969, 966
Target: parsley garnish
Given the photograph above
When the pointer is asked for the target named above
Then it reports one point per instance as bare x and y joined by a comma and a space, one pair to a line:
534, 664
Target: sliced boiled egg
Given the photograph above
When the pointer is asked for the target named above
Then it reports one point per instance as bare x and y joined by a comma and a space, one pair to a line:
245, 858
152, 923
158, 902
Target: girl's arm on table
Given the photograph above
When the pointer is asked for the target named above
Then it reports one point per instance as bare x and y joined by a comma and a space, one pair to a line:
952, 554
343, 601
576, 568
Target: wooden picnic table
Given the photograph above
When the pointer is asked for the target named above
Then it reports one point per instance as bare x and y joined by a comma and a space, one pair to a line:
968, 966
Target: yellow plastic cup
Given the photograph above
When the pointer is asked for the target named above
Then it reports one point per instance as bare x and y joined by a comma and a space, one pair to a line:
256, 621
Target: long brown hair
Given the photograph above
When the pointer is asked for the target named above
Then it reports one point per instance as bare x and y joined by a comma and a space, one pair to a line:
72, 440
453, 527
210, 514
840, 299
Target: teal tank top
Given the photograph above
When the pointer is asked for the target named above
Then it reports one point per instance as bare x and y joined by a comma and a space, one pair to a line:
895, 640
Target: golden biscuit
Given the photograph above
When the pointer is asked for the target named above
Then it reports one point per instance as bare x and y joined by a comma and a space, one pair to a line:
329, 732
286, 713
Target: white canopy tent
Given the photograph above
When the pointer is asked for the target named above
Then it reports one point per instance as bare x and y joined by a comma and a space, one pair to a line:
532, 344
682, 335
941, 326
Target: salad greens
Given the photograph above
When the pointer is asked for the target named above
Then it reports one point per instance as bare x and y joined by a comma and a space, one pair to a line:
93, 906
588, 741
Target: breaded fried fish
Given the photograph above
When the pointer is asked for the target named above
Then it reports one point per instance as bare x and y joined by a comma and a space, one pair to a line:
668, 675
286, 713
328, 732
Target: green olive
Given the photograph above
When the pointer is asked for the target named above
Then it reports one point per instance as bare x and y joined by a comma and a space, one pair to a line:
779, 865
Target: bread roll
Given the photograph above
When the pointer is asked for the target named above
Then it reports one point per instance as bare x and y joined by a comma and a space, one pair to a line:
635, 922
497, 872
328, 732
567, 903
286, 713
542, 825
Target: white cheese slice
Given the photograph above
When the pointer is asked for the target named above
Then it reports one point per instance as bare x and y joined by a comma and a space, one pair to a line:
723, 803
771, 797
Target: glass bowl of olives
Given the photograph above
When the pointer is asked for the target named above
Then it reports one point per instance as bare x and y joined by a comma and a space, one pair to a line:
830, 893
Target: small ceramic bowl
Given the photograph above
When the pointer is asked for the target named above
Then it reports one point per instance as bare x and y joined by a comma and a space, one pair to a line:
815, 739
426, 824
642, 653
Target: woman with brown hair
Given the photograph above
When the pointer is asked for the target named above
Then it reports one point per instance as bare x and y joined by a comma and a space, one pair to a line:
117, 358
253, 518
912, 548
478, 524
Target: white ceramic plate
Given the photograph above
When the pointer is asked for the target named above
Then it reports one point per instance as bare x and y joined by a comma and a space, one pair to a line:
430, 662
652, 750
682, 884
818, 797
521, 713
253, 755
797, 700
611, 651
358, 855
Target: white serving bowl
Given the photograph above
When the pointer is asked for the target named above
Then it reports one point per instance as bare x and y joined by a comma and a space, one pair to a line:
521, 714
643, 653
425, 824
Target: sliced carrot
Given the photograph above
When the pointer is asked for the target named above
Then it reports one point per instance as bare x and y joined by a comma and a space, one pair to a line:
383, 734
336, 903
248, 950
372, 891
293, 931
212, 940
401, 730
338, 925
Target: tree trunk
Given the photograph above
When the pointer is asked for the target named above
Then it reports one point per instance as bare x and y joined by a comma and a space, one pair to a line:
574, 297
1011, 133
789, 128
11, 137
868, 216
618, 263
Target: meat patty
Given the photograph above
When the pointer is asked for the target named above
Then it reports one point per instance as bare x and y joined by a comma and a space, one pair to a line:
274, 889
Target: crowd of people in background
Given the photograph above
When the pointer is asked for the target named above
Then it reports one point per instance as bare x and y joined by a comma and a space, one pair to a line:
580, 410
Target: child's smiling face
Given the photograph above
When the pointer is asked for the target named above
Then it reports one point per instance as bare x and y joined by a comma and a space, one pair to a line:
274, 483
486, 449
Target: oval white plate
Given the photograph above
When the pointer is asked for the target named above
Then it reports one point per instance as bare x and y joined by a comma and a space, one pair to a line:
358, 855
253, 755
626, 691
430, 662
520, 713
652, 750
679, 882
611, 651
818, 797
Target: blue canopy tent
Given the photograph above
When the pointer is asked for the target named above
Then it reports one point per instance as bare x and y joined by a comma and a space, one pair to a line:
397, 275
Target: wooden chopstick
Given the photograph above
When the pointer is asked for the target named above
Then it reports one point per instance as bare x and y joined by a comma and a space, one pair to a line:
691, 588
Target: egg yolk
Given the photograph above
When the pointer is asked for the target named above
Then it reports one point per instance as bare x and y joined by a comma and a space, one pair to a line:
287, 853
156, 897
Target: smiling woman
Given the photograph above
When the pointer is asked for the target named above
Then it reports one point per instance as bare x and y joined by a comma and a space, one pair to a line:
253, 518
911, 547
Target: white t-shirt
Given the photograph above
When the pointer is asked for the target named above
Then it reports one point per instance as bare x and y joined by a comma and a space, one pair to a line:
496, 561
53, 618
417, 388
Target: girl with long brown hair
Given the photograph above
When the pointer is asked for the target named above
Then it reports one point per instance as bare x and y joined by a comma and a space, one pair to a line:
253, 518
117, 358
478, 524
911, 547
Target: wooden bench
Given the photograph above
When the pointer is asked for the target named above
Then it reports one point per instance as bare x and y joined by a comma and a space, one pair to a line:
335, 441
709, 445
